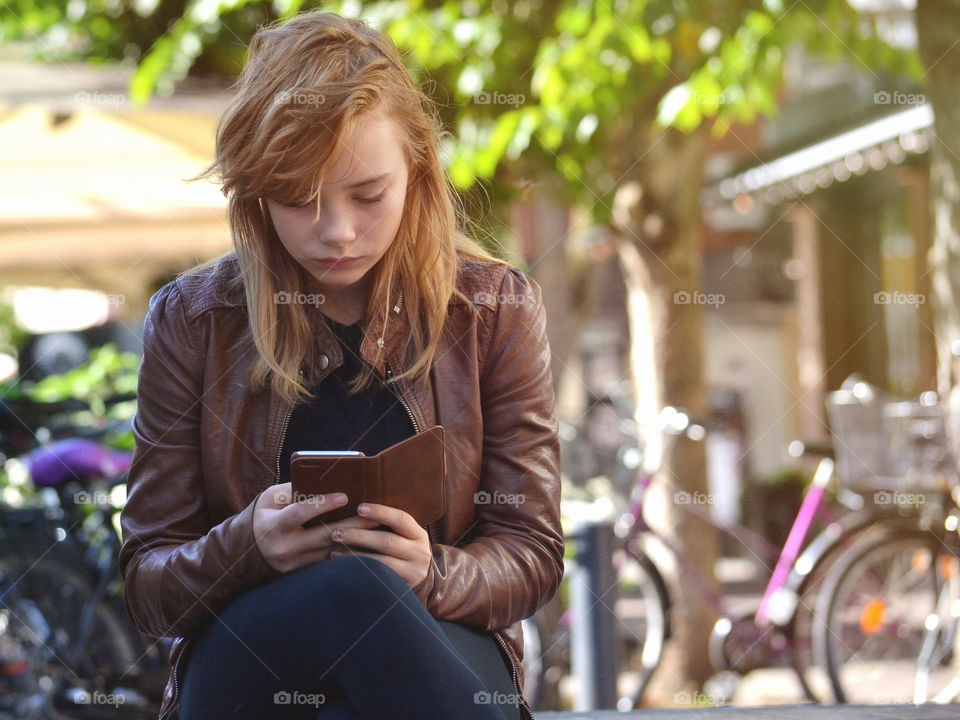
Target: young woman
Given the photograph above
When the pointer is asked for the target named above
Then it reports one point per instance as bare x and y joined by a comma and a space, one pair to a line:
352, 313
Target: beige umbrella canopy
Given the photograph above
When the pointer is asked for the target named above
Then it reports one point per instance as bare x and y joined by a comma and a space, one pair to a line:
92, 191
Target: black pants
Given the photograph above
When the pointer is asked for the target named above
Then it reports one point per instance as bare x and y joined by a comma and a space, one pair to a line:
343, 639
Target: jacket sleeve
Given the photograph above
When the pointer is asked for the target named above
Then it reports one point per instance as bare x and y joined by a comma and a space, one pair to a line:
514, 563
178, 570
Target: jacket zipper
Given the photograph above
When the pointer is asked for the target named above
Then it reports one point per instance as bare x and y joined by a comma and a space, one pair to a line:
513, 671
413, 420
283, 432
174, 698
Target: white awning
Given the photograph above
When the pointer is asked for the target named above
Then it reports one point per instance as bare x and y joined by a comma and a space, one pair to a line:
871, 146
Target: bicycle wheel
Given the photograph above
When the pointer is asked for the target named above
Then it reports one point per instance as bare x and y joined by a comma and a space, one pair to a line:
43, 599
807, 583
878, 630
643, 617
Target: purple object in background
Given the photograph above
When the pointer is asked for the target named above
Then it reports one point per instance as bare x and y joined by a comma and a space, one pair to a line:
74, 459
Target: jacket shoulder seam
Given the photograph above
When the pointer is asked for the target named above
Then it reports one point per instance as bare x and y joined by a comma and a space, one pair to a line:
479, 280
492, 306
175, 293
201, 290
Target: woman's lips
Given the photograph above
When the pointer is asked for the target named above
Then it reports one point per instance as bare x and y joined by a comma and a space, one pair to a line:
337, 263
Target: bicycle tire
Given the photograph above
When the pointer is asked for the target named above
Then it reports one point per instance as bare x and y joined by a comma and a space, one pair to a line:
807, 579
654, 631
871, 614
51, 590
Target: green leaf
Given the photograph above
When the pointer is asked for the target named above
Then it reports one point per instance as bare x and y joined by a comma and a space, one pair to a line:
505, 126
573, 20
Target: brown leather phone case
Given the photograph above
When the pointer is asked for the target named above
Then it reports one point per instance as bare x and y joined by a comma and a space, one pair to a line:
408, 475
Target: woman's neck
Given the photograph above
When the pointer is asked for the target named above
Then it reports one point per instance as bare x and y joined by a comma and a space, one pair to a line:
346, 310
348, 318
345, 305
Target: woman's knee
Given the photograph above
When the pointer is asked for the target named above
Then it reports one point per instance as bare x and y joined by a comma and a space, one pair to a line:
340, 587
353, 577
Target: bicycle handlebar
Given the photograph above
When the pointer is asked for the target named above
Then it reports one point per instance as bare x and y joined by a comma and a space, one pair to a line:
23, 413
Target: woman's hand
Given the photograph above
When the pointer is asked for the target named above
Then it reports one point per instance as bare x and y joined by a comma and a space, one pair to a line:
277, 521
407, 550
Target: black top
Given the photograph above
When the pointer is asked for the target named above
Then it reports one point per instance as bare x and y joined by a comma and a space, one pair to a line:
370, 421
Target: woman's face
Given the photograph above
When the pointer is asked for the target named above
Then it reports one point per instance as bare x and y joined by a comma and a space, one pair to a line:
362, 200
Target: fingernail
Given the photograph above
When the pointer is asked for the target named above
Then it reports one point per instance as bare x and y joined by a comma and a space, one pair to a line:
339, 498
363, 509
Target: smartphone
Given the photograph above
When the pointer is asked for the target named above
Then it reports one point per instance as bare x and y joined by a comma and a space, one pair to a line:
338, 477
408, 475
325, 472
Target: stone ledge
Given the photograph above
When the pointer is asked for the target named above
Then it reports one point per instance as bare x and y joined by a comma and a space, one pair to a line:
774, 712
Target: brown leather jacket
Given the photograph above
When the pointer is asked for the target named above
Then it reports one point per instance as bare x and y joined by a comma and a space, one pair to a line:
206, 447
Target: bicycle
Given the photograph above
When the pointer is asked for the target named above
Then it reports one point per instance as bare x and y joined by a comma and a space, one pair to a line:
780, 629
66, 644
890, 607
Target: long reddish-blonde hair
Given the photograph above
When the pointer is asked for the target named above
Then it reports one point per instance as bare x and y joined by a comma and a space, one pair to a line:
306, 83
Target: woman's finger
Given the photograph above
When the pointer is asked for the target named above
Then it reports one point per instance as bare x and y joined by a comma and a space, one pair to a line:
311, 556
402, 522
275, 497
308, 507
382, 541
318, 538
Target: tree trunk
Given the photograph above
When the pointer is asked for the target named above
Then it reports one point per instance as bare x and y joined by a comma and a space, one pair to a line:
938, 27
657, 213
543, 224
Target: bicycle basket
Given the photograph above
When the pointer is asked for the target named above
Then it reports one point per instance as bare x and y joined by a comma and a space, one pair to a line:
887, 445
918, 447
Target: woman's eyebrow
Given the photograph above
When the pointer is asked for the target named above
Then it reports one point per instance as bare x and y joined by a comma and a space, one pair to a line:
369, 181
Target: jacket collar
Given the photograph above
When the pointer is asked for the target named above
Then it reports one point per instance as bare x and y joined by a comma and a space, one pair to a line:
382, 332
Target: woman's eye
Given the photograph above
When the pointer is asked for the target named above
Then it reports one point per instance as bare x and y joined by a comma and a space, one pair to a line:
366, 201
378, 198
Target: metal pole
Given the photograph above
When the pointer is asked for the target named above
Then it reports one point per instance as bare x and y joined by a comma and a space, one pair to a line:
593, 597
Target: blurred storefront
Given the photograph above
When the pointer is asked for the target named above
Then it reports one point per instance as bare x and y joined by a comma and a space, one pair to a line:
816, 233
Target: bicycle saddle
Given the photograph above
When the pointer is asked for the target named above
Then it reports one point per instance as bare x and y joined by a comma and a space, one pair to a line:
75, 459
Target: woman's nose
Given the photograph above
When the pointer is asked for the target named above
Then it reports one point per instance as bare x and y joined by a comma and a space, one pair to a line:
334, 230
